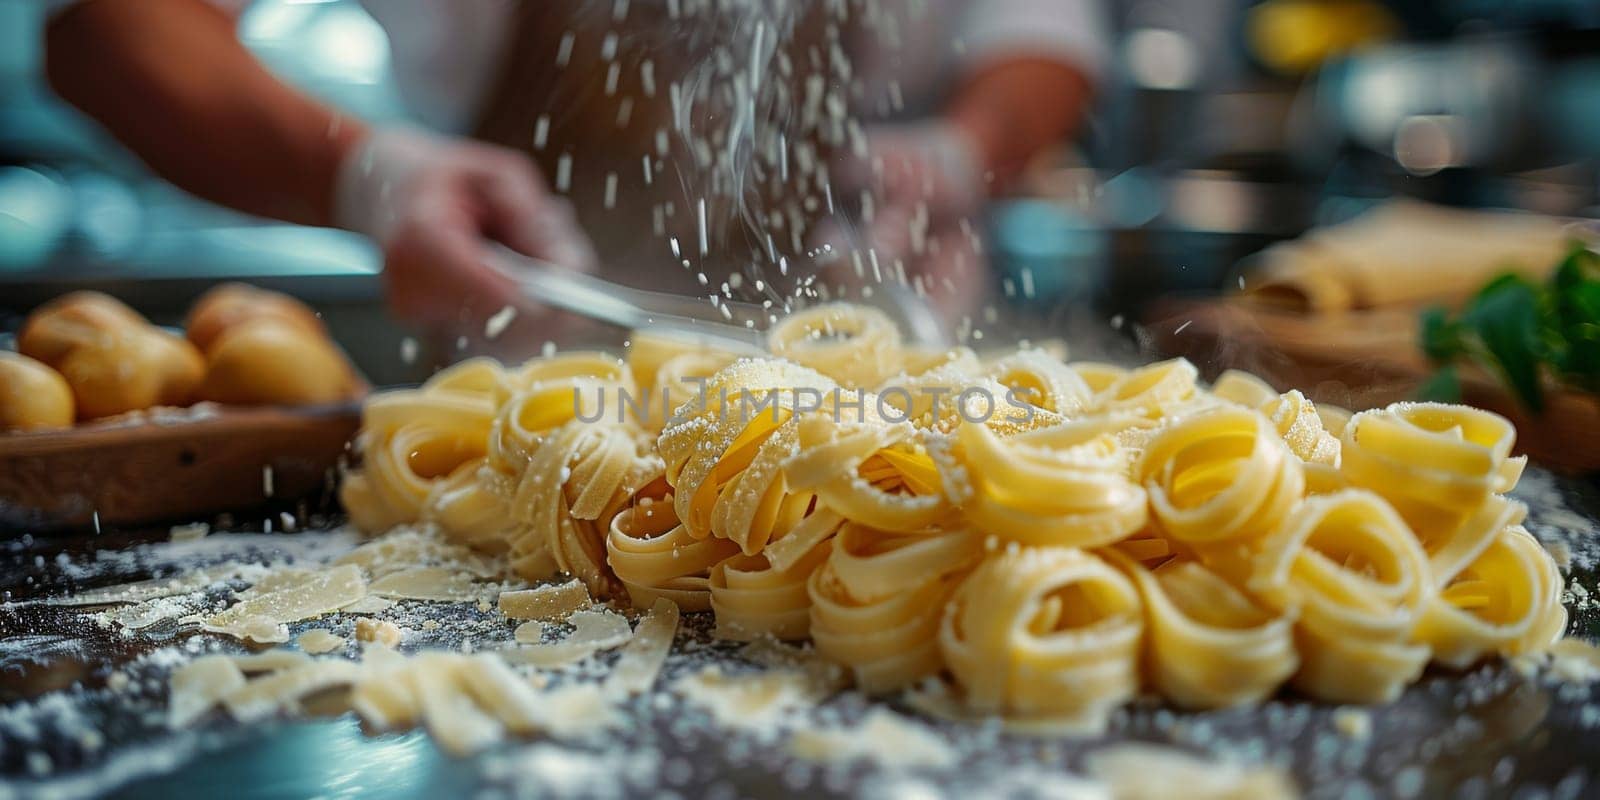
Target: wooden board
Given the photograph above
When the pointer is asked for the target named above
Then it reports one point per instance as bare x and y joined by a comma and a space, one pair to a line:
1362, 360
179, 465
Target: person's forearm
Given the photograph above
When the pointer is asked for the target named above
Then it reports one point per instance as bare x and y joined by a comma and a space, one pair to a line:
1014, 108
171, 82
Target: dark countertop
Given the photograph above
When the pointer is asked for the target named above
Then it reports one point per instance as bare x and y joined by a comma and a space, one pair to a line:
1487, 732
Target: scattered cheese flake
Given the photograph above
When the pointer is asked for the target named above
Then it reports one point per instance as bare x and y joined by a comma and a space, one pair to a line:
371, 604
319, 640
642, 657
425, 583
548, 603
1575, 661
1140, 771
752, 701
377, 631
882, 737
592, 631
327, 591
152, 589
198, 686
512, 699
188, 533
450, 714
1353, 723
272, 693
530, 632
384, 699
270, 661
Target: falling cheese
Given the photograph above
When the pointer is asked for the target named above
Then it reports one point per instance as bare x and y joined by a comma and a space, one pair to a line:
642, 657
319, 640
199, 685
549, 603
324, 592
272, 693
426, 583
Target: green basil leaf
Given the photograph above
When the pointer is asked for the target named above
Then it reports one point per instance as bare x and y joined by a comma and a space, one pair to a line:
1441, 336
1505, 320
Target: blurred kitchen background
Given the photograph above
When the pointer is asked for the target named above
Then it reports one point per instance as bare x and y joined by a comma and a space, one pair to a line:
1225, 125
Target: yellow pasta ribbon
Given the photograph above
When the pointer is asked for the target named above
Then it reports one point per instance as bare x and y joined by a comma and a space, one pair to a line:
878, 600
1045, 634
1220, 475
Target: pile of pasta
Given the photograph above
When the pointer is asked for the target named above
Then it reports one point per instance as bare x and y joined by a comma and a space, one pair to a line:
1128, 530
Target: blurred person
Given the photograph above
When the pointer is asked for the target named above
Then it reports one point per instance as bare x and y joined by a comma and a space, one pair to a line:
172, 82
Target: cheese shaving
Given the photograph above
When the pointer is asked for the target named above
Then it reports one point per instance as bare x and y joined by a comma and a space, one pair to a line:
530, 632
548, 603
439, 584
270, 661
642, 657
751, 701
198, 686
270, 694
325, 592
592, 631
882, 737
1138, 771
453, 719
377, 631
319, 640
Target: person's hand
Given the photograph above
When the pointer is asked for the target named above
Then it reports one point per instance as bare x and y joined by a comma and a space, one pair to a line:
434, 205
927, 188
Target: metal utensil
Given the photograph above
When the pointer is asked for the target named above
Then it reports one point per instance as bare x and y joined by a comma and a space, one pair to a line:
729, 325
740, 328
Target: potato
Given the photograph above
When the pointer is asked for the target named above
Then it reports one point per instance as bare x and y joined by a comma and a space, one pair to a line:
73, 320
232, 304
181, 367
32, 395
112, 376
134, 370
269, 361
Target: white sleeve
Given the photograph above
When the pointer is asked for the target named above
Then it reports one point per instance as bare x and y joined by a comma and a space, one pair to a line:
1074, 30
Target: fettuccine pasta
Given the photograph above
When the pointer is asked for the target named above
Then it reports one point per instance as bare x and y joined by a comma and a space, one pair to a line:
1044, 539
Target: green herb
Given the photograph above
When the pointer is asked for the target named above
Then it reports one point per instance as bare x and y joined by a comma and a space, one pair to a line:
1521, 331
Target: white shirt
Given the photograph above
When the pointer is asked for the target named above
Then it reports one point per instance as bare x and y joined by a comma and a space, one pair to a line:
446, 52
